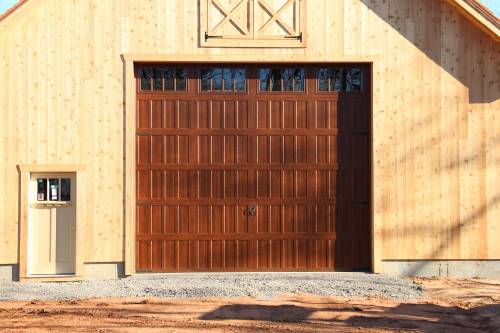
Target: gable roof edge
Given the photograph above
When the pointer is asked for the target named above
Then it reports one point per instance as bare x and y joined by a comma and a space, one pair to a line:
12, 9
479, 15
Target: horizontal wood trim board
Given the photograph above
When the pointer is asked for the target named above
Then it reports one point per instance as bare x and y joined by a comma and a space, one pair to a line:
245, 237
235, 167
261, 201
232, 131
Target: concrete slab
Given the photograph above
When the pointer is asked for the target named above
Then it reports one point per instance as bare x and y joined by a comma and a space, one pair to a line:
489, 269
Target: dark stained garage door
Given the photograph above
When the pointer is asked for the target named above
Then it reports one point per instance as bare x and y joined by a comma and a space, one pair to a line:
253, 168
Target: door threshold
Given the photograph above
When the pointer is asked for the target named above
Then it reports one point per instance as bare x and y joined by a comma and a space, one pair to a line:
51, 277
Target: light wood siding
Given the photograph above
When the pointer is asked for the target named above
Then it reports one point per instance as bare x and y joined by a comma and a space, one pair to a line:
436, 111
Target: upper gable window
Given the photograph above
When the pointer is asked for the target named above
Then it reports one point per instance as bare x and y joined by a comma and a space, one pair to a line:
252, 23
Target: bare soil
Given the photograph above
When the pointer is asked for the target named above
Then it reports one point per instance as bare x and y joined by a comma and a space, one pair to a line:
449, 305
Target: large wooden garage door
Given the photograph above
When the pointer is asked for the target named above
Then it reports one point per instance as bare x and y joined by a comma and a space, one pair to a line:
253, 168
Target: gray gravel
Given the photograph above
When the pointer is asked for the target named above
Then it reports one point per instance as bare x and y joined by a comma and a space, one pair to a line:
259, 285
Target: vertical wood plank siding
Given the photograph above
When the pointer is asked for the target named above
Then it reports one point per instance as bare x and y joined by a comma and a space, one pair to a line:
436, 111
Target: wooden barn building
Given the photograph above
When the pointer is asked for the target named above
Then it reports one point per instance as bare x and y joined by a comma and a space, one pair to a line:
249, 135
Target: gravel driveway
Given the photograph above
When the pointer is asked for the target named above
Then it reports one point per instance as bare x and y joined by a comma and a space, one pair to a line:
259, 285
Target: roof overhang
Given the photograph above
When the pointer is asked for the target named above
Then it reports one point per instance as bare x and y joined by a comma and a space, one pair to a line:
478, 14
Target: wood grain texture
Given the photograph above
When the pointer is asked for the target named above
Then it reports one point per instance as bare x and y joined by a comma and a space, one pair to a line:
301, 158
436, 124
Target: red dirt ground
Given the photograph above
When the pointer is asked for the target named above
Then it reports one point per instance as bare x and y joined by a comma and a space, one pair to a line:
448, 306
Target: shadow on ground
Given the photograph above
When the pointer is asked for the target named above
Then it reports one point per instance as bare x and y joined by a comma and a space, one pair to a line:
421, 317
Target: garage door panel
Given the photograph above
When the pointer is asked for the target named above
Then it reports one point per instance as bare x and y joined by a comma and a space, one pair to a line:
205, 159
217, 255
263, 213
170, 114
143, 256
242, 114
217, 112
185, 114
204, 114
157, 225
276, 148
184, 220
157, 114
230, 114
144, 115
275, 114
217, 219
230, 254
263, 255
170, 225
143, 149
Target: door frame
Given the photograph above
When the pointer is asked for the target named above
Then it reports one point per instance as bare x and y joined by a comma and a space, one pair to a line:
25, 171
129, 123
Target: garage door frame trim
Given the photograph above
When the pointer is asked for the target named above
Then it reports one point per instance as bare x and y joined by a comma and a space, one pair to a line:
129, 109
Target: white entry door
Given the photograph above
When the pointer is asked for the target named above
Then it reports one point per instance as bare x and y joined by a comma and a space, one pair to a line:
52, 224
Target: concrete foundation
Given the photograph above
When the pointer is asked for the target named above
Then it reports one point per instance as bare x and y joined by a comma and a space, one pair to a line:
9, 272
489, 269
103, 271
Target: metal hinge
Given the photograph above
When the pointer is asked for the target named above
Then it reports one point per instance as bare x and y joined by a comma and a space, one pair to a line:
299, 37
207, 36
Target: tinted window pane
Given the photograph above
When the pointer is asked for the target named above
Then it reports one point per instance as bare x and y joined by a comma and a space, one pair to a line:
228, 79
168, 78
265, 77
41, 190
217, 79
288, 76
157, 79
239, 79
146, 75
276, 80
53, 189
65, 189
298, 79
340, 79
354, 80
323, 79
180, 79
206, 79
282, 79
337, 79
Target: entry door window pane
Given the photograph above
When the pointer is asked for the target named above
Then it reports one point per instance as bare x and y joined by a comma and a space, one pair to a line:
65, 189
53, 189
41, 184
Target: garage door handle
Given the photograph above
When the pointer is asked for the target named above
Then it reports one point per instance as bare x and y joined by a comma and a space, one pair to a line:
251, 210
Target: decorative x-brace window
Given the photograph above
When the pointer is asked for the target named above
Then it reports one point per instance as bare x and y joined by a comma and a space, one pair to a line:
253, 23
